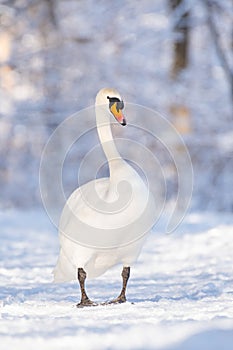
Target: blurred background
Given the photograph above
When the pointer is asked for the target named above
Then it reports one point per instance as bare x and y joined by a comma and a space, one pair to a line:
173, 56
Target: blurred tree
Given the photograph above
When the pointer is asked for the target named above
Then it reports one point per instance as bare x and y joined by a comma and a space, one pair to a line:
180, 113
181, 16
181, 41
214, 7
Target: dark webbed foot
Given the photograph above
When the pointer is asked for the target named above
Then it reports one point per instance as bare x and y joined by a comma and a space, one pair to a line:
86, 302
121, 298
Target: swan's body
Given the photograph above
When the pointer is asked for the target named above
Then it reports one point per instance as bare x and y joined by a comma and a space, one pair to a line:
97, 228
94, 261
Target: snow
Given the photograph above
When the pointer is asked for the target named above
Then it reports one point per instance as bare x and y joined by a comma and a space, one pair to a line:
181, 289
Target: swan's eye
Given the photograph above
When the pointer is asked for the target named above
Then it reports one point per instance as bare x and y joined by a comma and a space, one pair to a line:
120, 105
115, 100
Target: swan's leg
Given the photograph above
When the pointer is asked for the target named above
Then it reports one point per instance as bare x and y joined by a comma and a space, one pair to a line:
125, 277
85, 301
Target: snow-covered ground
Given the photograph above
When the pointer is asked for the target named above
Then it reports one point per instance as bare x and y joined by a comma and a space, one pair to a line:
181, 289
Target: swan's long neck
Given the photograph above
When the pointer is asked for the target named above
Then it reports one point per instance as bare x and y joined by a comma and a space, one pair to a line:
106, 138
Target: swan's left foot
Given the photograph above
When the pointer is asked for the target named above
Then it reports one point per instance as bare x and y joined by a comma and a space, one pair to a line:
119, 300
86, 302
122, 298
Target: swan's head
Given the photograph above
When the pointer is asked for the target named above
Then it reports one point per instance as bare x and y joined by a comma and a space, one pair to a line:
112, 100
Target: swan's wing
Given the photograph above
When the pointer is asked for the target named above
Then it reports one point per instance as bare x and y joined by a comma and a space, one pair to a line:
78, 205
93, 217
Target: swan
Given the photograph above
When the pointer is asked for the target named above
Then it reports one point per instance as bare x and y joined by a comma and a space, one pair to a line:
104, 222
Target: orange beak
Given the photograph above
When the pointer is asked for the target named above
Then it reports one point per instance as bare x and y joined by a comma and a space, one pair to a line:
117, 113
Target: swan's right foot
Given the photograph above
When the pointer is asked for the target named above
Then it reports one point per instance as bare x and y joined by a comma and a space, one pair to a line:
86, 302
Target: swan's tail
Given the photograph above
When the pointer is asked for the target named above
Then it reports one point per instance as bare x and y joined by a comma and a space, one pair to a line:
64, 271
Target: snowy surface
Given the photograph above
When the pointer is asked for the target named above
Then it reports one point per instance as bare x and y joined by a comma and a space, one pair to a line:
181, 289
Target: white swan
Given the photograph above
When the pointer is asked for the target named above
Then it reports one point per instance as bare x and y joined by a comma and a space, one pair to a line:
104, 222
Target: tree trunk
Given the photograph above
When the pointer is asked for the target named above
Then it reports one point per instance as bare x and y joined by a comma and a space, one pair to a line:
181, 42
